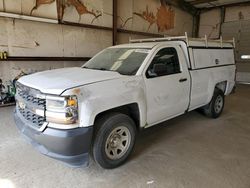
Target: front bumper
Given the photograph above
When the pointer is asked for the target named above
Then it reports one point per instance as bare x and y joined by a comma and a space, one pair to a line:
69, 146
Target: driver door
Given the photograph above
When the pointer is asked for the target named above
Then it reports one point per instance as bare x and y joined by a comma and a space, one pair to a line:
167, 85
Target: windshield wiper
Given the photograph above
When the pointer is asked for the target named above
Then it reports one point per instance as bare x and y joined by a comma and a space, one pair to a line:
102, 69
86, 68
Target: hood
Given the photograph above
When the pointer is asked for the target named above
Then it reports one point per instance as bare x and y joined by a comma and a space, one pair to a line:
58, 80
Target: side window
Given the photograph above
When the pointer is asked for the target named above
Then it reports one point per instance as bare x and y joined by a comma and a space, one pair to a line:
165, 62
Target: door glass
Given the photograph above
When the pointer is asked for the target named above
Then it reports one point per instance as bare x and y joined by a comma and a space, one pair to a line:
165, 62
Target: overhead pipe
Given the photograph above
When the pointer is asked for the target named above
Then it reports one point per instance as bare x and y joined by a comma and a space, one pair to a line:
30, 18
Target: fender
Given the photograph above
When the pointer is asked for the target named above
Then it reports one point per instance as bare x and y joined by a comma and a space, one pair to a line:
221, 76
99, 97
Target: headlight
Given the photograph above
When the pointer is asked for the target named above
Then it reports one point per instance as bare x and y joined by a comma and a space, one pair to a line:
63, 110
56, 103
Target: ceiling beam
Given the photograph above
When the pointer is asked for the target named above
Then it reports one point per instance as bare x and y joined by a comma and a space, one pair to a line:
183, 5
197, 2
247, 3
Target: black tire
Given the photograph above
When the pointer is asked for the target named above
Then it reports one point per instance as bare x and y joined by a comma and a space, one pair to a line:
213, 109
104, 151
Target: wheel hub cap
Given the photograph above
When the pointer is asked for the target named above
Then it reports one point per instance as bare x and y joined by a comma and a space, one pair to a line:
218, 104
117, 142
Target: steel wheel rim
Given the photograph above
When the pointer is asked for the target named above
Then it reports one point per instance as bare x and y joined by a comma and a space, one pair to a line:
218, 104
117, 143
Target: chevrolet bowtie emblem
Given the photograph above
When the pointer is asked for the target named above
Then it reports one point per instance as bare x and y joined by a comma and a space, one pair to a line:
21, 105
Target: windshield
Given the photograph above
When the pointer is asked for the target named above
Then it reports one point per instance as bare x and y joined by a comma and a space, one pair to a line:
126, 61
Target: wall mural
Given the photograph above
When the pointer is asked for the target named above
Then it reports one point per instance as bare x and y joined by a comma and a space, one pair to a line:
81, 9
39, 3
29, 7
164, 17
147, 16
212, 30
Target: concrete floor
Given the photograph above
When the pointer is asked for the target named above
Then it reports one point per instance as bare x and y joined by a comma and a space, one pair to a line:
190, 151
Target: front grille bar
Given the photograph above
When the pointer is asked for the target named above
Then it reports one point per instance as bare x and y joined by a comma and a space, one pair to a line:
31, 105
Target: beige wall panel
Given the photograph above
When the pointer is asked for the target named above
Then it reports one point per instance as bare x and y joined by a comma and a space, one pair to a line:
45, 9
26, 38
12, 6
243, 67
3, 35
153, 16
10, 69
1, 5
84, 42
144, 15
237, 13
125, 14
123, 38
210, 24
94, 12
94, 41
183, 23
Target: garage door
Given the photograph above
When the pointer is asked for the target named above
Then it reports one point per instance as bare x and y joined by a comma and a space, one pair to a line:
240, 30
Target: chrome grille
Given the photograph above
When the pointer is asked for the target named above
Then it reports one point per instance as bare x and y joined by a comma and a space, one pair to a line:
29, 98
34, 119
29, 102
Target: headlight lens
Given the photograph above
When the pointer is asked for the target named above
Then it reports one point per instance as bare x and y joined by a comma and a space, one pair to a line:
53, 104
63, 110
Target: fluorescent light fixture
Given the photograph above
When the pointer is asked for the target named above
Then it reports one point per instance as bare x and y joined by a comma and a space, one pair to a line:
245, 57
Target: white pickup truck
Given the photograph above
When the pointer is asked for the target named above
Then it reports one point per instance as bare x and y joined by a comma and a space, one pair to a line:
98, 108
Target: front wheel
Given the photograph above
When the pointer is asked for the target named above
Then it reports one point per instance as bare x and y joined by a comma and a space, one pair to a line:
216, 106
114, 140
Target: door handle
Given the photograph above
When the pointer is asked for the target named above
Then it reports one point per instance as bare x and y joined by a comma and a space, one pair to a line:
183, 80
217, 61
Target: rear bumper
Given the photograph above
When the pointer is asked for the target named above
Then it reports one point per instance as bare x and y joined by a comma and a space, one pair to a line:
69, 146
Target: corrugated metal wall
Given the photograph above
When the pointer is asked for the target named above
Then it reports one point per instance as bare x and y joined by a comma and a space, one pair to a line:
236, 25
240, 30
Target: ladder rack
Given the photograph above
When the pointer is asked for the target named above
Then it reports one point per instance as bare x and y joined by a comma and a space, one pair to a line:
205, 40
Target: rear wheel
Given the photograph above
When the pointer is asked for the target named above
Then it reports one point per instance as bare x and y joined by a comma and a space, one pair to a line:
114, 140
216, 106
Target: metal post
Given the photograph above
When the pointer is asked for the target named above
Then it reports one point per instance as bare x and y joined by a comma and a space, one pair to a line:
114, 31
